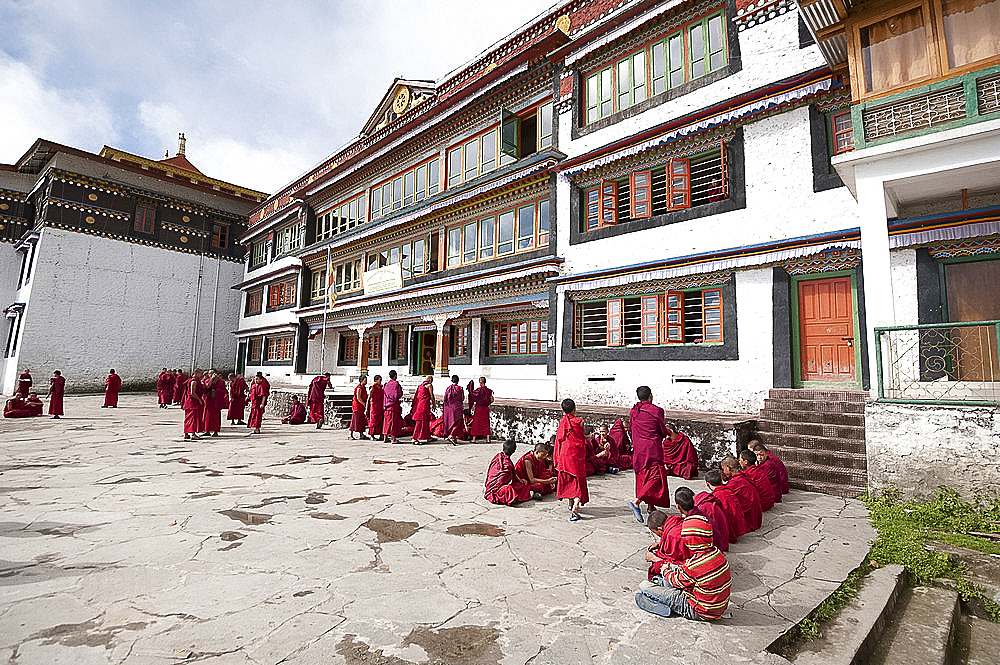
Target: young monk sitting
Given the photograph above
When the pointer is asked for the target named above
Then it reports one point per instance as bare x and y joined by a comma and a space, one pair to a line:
602, 442
597, 456
669, 548
679, 456
759, 477
501, 486
730, 503
775, 467
34, 404
16, 407
296, 413
745, 491
699, 587
620, 453
709, 505
535, 469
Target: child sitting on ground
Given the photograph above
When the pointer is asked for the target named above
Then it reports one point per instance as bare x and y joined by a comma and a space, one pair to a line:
501, 486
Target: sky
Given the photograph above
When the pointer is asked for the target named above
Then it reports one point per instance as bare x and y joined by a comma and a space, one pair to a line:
262, 90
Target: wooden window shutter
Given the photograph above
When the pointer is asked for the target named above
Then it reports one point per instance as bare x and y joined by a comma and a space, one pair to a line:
724, 169
494, 339
609, 202
614, 322
711, 315
673, 317
650, 319
577, 325
678, 184
510, 133
593, 208
640, 194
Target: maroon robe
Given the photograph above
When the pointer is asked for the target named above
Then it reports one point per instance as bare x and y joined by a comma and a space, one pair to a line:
571, 460
421, 412
316, 397
648, 430
480, 400
762, 481
749, 499
194, 406
539, 470
23, 385
237, 398
451, 410
595, 464
501, 486
376, 409
165, 388
57, 387
256, 399
671, 548
215, 399
733, 509
112, 385
710, 506
392, 411
621, 447
459, 431
180, 385
358, 404
779, 472
679, 456
34, 408
296, 415
16, 407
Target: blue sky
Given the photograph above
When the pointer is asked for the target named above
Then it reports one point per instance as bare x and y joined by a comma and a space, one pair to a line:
263, 90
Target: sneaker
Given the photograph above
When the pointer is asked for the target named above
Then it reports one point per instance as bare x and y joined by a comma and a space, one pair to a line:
613, 469
645, 584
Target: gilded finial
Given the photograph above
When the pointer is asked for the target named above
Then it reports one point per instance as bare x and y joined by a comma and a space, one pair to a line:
181, 143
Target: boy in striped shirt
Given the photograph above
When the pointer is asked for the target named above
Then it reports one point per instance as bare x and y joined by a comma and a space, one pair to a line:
698, 588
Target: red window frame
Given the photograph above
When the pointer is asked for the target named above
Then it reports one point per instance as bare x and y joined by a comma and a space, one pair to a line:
640, 194
509, 338
145, 219
615, 309
673, 319
281, 294
256, 349
678, 183
279, 348
220, 236
349, 348
459, 341
374, 341
255, 302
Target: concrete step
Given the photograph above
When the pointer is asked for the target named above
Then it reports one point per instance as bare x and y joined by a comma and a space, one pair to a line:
856, 396
852, 635
811, 442
811, 428
814, 405
982, 639
824, 417
836, 459
922, 630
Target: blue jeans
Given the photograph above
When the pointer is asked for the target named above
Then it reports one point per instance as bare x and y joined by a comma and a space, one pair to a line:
665, 600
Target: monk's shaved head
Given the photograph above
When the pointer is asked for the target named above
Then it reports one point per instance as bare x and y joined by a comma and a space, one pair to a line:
509, 446
713, 478
748, 456
730, 464
684, 498
757, 446
656, 520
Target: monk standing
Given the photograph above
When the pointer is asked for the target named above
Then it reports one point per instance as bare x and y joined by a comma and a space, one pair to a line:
165, 388
258, 400
358, 405
316, 398
215, 399
648, 430
392, 392
571, 460
180, 386
423, 403
112, 385
479, 400
193, 405
57, 387
237, 399
452, 420
376, 408
24, 383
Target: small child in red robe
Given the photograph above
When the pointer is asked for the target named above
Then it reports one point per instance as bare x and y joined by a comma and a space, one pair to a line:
501, 486
669, 549
571, 460
535, 469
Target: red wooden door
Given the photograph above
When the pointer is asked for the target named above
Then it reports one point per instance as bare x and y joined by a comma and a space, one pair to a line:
826, 330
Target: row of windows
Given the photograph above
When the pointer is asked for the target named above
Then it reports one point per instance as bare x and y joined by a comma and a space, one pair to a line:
349, 347
144, 221
519, 338
341, 218
276, 349
518, 230
673, 317
410, 187
411, 256
286, 239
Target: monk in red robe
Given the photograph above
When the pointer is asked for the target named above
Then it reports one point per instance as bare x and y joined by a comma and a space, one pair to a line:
452, 420
392, 410
34, 405
112, 385
423, 403
215, 400
775, 467
57, 388
480, 400
237, 399
180, 387
571, 460
710, 506
745, 491
165, 388
359, 402
669, 548
194, 405
679, 455
16, 407
648, 430
535, 469
759, 477
23, 384
376, 408
257, 400
731, 506
296, 412
501, 486
316, 398
597, 455
620, 454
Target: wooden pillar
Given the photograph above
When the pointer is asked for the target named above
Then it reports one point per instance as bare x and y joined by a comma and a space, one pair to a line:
362, 364
441, 349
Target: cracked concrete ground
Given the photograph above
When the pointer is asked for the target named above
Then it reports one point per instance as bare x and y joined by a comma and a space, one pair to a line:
122, 543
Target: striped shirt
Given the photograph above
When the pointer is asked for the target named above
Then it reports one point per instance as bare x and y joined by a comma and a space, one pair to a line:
704, 576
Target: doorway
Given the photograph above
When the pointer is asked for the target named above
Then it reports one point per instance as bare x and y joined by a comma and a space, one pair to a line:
971, 293
826, 346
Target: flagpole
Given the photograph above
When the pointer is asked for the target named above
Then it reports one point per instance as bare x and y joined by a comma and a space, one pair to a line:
326, 307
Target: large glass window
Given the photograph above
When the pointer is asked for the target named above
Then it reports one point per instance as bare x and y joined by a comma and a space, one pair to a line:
403, 190
895, 50
519, 338
671, 317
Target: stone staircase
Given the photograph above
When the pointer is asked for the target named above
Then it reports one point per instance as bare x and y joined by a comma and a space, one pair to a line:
820, 436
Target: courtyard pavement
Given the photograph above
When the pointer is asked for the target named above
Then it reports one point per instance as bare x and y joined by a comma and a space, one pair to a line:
122, 543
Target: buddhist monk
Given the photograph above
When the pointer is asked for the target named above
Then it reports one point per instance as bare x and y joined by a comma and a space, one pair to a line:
359, 402
480, 400
180, 386
257, 400
730, 503
648, 430
112, 385
776, 468
316, 398
57, 387
296, 412
237, 399
23, 384
194, 405
501, 486
16, 407
571, 460
760, 478
165, 388
34, 405
535, 469
679, 455
392, 410
710, 506
452, 420
215, 401
745, 491
597, 454
376, 408
423, 403
620, 453
668, 548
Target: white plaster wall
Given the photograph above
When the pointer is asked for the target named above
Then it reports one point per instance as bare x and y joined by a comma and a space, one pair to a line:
737, 386
97, 303
903, 264
10, 269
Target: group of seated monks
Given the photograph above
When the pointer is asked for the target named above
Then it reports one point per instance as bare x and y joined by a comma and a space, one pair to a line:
16, 407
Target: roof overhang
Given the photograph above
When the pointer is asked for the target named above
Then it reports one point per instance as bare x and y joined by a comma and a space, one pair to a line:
825, 21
